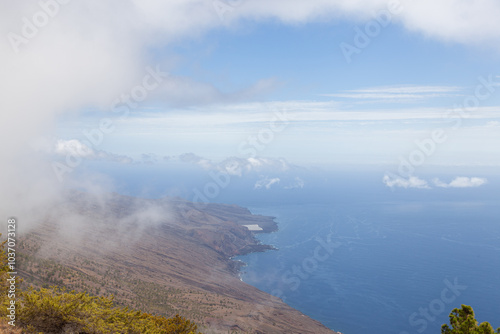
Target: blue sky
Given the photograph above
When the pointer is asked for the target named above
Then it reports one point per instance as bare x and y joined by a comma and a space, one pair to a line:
153, 98
308, 60
398, 89
368, 110
262, 78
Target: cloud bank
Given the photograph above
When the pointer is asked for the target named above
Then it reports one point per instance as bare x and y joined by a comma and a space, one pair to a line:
236, 166
61, 56
266, 183
398, 94
411, 182
467, 22
461, 182
415, 182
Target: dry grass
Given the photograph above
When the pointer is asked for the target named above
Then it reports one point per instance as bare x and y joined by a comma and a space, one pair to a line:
8, 329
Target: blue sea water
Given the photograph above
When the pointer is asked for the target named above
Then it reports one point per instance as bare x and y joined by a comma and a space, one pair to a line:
388, 261
358, 256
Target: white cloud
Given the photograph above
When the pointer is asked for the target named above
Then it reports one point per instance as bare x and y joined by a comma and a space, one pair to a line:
493, 124
91, 52
450, 20
180, 91
73, 147
461, 182
266, 183
76, 149
296, 111
454, 20
398, 94
409, 89
399, 182
87, 55
235, 165
415, 182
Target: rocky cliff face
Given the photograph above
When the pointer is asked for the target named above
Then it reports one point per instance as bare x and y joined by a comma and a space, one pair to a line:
166, 255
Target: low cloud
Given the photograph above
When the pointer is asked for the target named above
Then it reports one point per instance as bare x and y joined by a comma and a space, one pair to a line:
87, 57
461, 182
411, 182
73, 147
415, 182
76, 149
192, 158
397, 94
236, 166
493, 124
451, 21
266, 183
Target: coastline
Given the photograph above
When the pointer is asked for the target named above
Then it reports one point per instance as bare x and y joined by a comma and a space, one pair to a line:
185, 264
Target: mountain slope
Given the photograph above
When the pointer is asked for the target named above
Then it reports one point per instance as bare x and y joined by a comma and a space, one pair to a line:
166, 256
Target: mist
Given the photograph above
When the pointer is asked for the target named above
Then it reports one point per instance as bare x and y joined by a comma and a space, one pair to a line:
63, 57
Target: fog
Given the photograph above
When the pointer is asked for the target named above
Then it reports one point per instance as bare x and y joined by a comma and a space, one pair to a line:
59, 57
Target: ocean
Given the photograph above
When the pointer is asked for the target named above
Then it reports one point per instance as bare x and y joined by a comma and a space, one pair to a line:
356, 255
389, 262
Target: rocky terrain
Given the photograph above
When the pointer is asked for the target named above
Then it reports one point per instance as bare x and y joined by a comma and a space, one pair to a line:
165, 256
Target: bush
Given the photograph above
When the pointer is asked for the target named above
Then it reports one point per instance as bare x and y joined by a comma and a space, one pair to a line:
463, 321
55, 310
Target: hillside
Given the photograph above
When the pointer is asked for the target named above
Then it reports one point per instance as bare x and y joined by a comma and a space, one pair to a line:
165, 256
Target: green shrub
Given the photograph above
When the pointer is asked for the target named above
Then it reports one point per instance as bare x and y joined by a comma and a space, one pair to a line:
463, 321
55, 310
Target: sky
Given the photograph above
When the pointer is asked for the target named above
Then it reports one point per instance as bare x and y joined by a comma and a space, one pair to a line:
399, 84
353, 96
